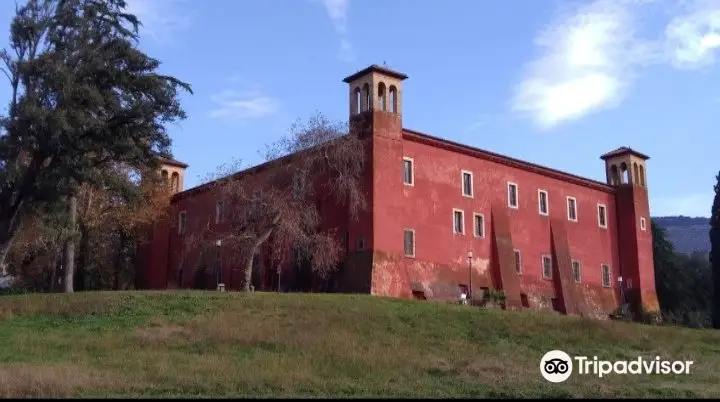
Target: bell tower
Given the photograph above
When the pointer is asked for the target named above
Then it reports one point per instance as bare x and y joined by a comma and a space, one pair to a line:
173, 174
626, 171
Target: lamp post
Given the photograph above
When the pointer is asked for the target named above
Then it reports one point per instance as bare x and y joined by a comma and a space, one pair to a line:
279, 272
622, 294
218, 285
469, 256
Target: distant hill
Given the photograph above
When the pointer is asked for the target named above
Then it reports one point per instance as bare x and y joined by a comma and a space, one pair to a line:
685, 233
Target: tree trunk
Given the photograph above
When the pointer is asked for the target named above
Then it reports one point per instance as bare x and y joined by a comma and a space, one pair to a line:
83, 258
249, 264
69, 252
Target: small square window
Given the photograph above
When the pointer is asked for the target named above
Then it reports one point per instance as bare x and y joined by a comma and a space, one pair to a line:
602, 216
643, 225
576, 271
182, 219
512, 195
572, 209
547, 267
518, 262
458, 221
605, 275
543, 208
467, 184
408, 171
479, 221
409, 239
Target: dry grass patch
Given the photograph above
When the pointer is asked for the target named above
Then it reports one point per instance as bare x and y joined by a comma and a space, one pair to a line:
57, 380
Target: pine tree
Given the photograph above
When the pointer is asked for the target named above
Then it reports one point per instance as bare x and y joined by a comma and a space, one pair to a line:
715, 252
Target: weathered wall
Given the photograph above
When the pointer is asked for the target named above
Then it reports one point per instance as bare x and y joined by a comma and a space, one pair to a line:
440, 258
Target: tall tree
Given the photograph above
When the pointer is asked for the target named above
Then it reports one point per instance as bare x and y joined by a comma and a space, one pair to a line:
715, 252
277, 208
83, 97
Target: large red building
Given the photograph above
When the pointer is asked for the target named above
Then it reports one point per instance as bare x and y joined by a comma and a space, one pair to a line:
443, 217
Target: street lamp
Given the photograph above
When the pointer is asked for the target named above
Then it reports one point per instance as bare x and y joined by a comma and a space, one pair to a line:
220, 286
469, 256
622, 294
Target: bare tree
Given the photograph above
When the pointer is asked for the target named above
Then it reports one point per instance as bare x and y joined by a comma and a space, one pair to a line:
274, 206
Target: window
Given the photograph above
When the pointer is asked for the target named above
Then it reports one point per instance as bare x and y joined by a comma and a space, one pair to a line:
602, 216
572, 209
219, 212
408, 173
467, 184
542, 202
512, 195
409, 243
605, 275
458, 221
479, 221
547, 267
518, 262
361, 243
576, 271
358, 101
642, 224
181, 222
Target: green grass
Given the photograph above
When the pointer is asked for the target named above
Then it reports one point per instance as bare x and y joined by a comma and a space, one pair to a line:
212, 344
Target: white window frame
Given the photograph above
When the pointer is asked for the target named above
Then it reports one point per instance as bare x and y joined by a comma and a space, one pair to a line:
518, 261
462, 221
643, 223
572, 266
412, 255
462, 183
412, 171
542, 266
475, 227
517, 195
182, 222
574, 200
602, 276
547, 203
219, 211
605, 218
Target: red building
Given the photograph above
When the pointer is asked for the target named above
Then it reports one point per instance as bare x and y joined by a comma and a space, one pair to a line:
444, 217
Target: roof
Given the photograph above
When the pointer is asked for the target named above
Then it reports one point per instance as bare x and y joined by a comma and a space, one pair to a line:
623, 151
507, 161
172, 162
378, 69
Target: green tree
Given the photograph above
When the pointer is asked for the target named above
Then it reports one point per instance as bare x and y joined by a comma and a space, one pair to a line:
715, 252
83, 97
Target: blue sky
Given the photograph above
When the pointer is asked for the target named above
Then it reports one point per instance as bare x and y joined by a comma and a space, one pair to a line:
552, 82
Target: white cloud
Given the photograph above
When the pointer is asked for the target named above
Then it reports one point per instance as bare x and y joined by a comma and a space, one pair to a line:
589, 56
698, 204
234, 105
585, 64
337, 10
161, 19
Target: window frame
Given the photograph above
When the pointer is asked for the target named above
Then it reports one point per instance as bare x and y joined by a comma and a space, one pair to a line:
602, 275
643, 223
462, 221
542, 266
518, 261
475, 226
412, 232
517, 195
547, 202
604, 215
463, 173
575, 205
412, 171
578, 278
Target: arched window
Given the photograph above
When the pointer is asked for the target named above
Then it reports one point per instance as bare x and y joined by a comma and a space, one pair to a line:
381, 97
614, 175
625, 173
175, 182
367, 97
636, 174
358, 100
164, 176
393, 99
642, 176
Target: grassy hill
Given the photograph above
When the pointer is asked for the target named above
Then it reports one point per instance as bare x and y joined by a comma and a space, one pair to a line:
231, 344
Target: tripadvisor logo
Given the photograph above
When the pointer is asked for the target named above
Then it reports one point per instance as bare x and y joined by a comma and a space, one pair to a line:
557, 366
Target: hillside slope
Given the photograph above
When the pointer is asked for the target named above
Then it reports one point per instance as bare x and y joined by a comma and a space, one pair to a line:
685, 233
262, 344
